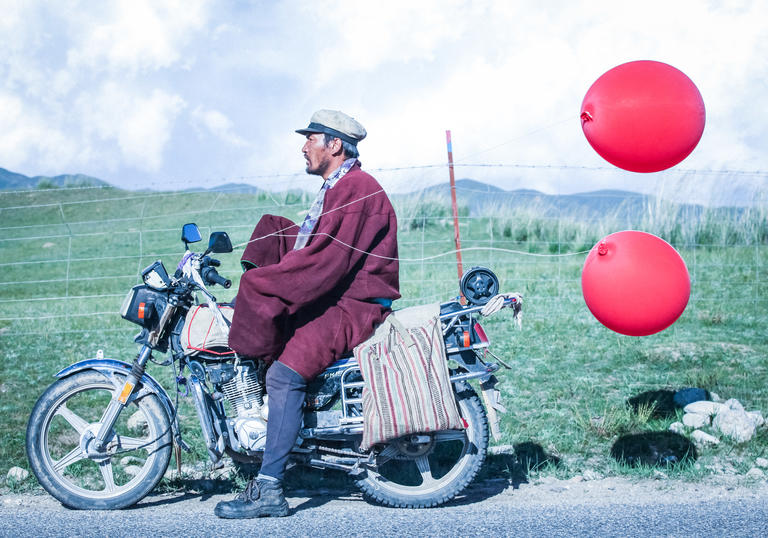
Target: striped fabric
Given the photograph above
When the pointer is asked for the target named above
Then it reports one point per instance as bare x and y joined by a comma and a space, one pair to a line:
407, 387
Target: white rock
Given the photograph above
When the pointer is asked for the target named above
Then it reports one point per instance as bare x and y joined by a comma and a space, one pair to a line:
762, 462
733, 421
703, 407
131, 460
694, 420
132, 470
715, 397
757, 418
733, 404
756, 473
677, 427
703, 439
17, 474
137, 421
592, 475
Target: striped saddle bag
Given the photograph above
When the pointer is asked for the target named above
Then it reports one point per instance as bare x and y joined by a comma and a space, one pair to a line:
407, 386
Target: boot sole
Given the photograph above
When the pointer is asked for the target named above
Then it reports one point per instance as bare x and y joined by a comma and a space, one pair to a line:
280, 510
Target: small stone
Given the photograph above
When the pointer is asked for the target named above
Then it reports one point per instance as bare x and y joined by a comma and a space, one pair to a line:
132, 470
694, 420
659, 475
577, 478
733, 404
734, 422
677, 427
592, 475
755, 473
703, 439
703, 408
715, 397
137, 421
131, 460
17, 474
757, 418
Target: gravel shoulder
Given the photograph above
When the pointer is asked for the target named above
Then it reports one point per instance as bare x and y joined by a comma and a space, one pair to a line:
550, 491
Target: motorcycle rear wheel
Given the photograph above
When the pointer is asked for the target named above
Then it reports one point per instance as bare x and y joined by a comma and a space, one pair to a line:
413, 475
63, 420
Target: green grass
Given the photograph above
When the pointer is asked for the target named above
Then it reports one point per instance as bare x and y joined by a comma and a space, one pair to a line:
70, 255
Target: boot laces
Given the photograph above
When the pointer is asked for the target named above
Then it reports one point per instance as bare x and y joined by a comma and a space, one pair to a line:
248, 493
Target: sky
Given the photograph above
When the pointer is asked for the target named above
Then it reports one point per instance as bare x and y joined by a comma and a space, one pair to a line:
189, 93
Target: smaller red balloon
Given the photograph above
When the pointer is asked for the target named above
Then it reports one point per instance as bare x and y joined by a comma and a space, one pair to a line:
635, 283
643, 116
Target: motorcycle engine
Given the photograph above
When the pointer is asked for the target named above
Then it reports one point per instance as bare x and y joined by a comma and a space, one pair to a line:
245, 393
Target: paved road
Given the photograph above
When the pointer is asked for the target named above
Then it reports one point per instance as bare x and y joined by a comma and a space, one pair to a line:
610, 507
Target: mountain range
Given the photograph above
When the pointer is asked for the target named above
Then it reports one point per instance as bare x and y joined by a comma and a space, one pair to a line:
14, 181
474, 197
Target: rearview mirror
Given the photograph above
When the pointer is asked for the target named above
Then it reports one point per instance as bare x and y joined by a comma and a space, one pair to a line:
219, 243
190, 233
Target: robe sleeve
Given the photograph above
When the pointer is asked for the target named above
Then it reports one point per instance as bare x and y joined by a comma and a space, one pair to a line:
303, 276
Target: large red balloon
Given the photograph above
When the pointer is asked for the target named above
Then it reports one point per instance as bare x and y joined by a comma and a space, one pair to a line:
643, 116
635, 283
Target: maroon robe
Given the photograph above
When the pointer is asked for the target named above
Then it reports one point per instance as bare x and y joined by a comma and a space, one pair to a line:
308, 307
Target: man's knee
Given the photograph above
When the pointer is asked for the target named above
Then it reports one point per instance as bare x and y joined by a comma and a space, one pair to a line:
283, 378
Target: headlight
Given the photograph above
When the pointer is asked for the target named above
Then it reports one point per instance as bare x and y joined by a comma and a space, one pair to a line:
143, 306
155, 276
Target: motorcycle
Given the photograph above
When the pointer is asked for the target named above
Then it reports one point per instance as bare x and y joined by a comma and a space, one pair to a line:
101, 436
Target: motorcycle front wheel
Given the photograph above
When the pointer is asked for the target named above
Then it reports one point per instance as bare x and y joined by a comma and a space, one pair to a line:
60, 443
424, 470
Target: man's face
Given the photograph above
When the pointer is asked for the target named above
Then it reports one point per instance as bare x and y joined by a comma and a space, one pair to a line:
317, 154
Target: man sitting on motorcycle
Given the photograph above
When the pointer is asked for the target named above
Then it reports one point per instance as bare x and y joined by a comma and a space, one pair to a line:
311, 293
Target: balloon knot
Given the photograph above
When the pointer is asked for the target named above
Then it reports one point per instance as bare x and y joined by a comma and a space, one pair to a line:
602, 248
585, 117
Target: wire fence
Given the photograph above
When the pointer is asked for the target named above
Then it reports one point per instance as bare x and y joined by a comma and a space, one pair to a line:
68, 256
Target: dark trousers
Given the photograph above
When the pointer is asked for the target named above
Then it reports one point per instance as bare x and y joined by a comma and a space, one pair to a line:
287, 391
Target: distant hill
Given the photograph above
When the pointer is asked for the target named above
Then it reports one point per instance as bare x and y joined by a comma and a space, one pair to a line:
14, 181
480, 198
239, 188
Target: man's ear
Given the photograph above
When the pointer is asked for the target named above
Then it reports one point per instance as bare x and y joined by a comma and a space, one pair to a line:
336, 146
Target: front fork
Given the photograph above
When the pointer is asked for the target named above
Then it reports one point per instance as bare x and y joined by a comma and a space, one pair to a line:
116, 405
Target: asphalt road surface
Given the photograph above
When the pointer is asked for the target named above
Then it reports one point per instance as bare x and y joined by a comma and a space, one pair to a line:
609, 507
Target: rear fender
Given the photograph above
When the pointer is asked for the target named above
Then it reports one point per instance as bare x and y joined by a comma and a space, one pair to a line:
107, 367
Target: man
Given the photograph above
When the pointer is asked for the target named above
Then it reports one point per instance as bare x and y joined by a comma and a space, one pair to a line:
311, 293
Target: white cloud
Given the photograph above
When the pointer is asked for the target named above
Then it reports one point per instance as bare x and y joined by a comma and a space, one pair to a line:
110, 86
28, 136
217, 124
140, 124
134, 35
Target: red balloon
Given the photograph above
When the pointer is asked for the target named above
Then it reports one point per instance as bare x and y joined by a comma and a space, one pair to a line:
643, 116
635, 283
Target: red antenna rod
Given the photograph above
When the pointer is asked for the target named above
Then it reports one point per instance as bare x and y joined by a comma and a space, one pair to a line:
456, 236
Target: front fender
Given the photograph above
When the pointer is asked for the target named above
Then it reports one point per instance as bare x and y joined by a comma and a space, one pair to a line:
106, 366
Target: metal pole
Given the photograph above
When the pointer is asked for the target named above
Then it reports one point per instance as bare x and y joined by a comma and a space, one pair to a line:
456, 237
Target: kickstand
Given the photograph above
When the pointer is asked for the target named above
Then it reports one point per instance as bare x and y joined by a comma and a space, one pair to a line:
177, 452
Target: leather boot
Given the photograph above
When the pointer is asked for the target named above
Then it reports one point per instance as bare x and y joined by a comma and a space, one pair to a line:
261, 498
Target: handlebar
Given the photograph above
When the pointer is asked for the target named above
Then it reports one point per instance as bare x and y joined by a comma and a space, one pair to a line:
211, 276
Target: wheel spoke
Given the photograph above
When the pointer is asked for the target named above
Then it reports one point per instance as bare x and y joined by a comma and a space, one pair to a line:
422, 463
74, 420
74, 455
131, 443
450, 435
387, 454
105, 466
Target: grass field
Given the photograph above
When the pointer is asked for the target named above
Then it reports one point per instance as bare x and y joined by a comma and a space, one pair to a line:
69, 256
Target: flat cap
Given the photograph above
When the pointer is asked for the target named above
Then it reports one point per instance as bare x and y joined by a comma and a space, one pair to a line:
336, 124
